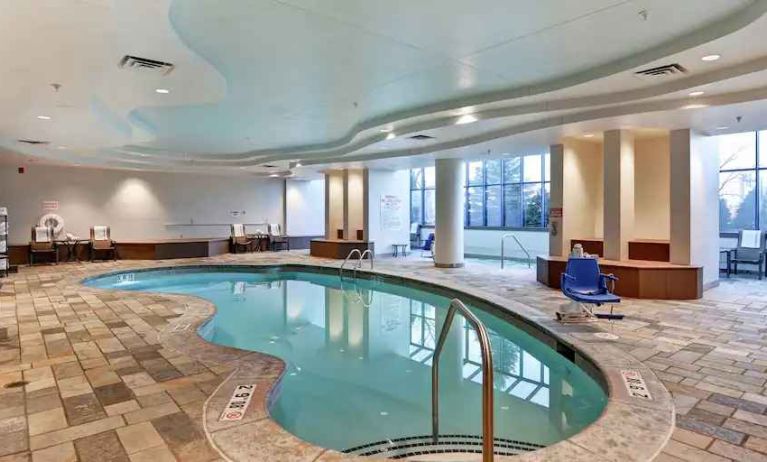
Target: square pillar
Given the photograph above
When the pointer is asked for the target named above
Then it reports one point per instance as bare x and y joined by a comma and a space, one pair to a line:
557, 244
618, 193
694, 202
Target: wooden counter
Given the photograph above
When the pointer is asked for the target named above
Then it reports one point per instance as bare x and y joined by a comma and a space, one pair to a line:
639, 249
638, 278
162, 249
338, 248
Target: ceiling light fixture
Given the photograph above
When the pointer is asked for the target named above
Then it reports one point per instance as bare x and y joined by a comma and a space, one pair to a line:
391, 136
710, 58
163, 91
695, 106
466, 119
61, 147
697, 93
588, 135
298, 164
273, 175
722, 128
44, 117
387, 130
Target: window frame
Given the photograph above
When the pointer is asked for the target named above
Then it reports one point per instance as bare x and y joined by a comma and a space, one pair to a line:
756, 170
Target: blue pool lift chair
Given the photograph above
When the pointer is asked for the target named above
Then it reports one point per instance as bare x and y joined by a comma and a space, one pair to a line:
584, 284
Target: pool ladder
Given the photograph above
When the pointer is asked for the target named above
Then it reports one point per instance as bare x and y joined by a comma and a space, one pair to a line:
358, 263
488, 447
503, 253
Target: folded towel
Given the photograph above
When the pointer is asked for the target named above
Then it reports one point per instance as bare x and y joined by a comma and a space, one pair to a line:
100, 233
42, 234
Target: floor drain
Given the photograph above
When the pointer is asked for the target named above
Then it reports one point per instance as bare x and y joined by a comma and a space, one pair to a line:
16, 384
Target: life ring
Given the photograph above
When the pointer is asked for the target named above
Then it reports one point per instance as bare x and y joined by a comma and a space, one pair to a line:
53, 221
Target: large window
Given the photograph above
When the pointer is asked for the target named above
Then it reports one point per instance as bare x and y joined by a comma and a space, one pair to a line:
422, 196
500, 193
509, 193
742, 181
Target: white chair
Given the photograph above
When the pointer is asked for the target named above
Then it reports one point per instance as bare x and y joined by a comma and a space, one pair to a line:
277, 238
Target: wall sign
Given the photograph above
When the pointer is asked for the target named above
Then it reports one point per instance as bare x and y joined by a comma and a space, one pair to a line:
391, 216
238, 403
49, 206
555, 212
635, 385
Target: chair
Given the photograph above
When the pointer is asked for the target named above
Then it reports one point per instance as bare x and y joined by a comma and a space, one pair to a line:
415, 235
239, 239
101, 241
42, 243
277, 238
583, 283
428, 245
750, 250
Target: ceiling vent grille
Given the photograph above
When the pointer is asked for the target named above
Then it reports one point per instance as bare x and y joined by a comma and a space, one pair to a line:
33, 142
668, 70
421, 137
145, 64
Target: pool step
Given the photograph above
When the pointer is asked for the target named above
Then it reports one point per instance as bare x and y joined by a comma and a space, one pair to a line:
401, 448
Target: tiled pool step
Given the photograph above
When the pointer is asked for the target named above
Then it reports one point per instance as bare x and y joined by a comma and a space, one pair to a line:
401, 448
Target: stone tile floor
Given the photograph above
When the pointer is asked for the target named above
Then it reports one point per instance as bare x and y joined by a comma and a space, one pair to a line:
101, 387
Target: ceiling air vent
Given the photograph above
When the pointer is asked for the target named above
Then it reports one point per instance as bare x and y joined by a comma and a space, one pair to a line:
145, 64
33, 142
669, 70
421, 137
269, 166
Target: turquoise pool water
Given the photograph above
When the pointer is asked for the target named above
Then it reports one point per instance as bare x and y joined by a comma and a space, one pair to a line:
359, 354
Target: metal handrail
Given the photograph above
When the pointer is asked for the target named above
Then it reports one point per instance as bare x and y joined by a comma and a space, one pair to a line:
346, 260
503, 240
358, 264
488, 448
362, 257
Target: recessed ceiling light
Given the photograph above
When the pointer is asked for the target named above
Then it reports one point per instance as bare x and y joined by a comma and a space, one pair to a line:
164, 91
697, 93
387, 130
44, 117
298, 164
588, 135
466, 119
722, 128
61, 147
391, 136
274, 175
709, 58
695, 106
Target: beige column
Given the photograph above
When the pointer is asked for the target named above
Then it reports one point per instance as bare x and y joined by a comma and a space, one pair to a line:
557, 244
618, 193
694, 202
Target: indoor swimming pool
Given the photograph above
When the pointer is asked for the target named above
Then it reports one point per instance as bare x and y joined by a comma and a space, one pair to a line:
359, 355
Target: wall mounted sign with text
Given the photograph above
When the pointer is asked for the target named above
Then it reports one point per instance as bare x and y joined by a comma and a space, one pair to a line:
49, 206
391, 207
238, 403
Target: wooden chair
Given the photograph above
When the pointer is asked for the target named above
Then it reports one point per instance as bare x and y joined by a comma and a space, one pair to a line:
239, 239
42, 242
101, 241
276, 238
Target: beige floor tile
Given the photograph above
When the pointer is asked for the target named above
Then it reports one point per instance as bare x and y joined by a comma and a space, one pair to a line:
74, 386
64, 452
138, 437
156, 454
47, 421
122, 408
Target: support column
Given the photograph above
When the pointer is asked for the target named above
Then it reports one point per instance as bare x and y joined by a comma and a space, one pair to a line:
694, 198
450, 179
556, 201
618, 193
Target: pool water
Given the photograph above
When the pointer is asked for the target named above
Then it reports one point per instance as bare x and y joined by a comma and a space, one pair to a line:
359, 352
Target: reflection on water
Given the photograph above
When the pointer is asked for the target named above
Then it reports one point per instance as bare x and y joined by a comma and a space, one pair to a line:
359, 358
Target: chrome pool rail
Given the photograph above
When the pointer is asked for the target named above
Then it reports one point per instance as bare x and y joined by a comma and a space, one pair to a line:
488, 448
358, 263
503, 256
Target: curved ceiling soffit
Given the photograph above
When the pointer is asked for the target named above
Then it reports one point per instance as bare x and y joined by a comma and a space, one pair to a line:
704, 34
541, 107
552, 122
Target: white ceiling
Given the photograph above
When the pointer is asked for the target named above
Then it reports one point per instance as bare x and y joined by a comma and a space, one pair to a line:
267, 82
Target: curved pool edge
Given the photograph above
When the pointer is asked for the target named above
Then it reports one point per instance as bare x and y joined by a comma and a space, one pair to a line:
628, 429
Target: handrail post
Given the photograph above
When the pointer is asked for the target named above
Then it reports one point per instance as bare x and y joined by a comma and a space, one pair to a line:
488, 439
522, 247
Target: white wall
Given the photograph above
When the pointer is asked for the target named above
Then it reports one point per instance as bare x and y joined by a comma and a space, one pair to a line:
392, 183
582, 200
137, 205
652, 212
305, 207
